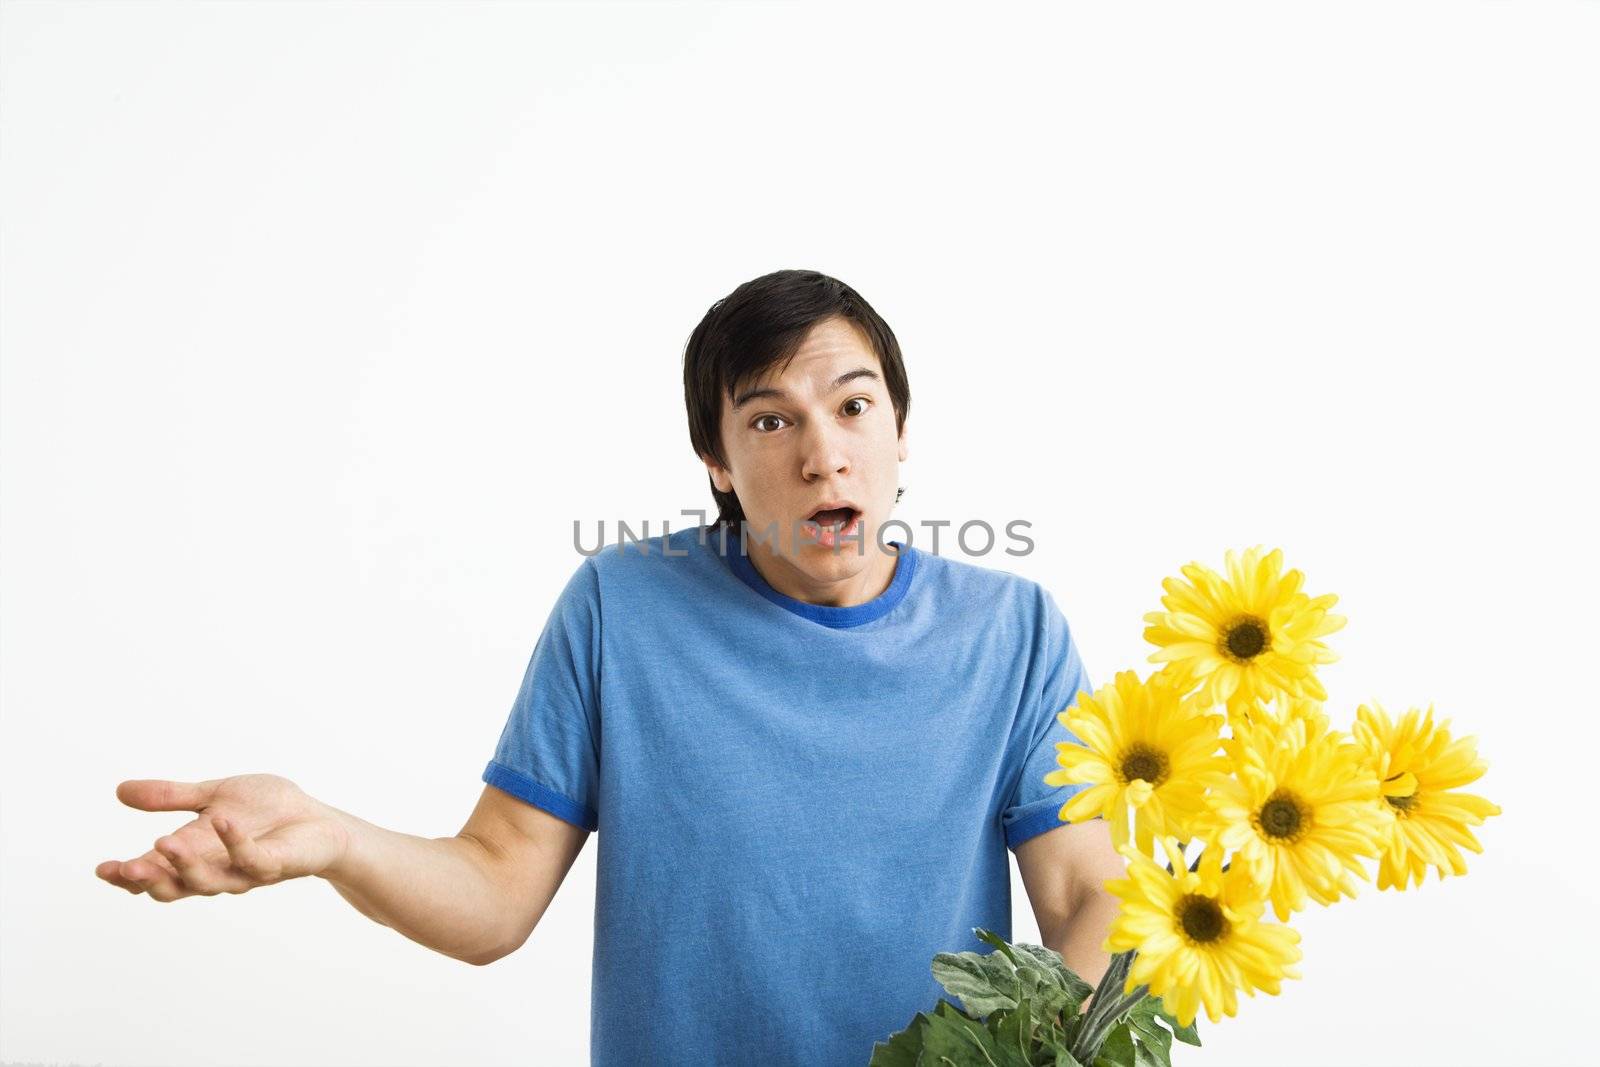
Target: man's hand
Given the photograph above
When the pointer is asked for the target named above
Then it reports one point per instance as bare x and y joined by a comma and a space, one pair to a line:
252, 830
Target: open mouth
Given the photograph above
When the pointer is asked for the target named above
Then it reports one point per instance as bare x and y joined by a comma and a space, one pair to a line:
836, 517
827, 525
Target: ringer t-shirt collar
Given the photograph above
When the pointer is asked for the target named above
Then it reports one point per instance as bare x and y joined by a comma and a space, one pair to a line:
827, 614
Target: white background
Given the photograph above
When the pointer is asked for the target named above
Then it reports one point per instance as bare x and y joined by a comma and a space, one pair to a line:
322, 323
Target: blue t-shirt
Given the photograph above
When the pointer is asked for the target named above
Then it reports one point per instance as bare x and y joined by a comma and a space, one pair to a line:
798, 805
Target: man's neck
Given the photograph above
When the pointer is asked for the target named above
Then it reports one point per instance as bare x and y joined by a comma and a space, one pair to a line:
850, 591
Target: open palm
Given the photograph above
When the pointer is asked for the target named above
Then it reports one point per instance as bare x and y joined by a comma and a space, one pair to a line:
251, 830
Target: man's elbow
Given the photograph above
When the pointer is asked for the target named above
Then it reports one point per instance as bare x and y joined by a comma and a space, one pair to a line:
483, 959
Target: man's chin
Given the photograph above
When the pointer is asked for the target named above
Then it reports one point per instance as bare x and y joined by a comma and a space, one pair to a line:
850, 552
846, 559
802, 546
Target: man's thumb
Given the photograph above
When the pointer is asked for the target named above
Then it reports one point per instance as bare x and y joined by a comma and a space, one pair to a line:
158, 794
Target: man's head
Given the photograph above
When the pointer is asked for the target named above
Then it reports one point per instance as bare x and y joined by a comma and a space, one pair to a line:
785, 423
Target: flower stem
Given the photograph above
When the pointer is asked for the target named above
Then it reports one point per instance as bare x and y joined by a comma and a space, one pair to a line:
1112, 1014
1106, 1007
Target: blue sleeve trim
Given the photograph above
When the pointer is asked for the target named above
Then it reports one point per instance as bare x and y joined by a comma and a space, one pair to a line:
1036, 824
1033, 826
522, 787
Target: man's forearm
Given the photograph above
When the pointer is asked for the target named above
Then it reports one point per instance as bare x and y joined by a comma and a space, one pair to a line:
1087, 926
435, 891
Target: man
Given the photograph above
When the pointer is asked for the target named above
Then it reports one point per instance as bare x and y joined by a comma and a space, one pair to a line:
805, 756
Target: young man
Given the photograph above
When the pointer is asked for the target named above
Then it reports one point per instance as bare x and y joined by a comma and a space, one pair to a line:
805, 756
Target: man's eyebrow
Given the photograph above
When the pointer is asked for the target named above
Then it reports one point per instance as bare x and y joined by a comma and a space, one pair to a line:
778, 394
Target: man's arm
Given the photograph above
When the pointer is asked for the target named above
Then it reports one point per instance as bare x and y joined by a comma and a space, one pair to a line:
1063, 870
474, 897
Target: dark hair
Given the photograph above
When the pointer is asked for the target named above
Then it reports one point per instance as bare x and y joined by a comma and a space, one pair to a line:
761, 324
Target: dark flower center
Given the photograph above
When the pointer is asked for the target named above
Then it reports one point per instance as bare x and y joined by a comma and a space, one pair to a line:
1201, 918
1282, 817
1143, 761
1404, 805
1246, 638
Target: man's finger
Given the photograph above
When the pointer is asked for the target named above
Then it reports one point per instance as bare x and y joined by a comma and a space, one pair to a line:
193, 872
156, 875
248, 857
151, 860
155, 878
111, 871
159, 794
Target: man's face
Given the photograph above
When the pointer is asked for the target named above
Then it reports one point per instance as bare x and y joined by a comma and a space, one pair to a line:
821, 432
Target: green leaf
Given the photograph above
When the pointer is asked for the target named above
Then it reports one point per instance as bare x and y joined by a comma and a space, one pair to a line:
983, 983
1014, 1029
1049, 960
1187, 1034
999, 943
1064, 1059
1069, 1030
953, 1037
1049, 997
1144, 1056
1011, 1053
998, 980
1117, 1050
902, 1049
948, 1010
1020, 1006
1047, 1038
1153, 1035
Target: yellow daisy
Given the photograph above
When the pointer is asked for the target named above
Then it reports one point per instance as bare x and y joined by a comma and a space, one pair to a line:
1300, 715
1281, 710
1245, 637
1198, 934
1419, 768
1304, 711
1145, 747
1301, 809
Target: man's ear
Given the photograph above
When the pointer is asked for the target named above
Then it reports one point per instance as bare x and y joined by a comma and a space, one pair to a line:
719, 474
905, 445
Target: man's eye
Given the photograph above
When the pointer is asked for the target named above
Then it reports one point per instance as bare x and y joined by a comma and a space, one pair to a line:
764, 418
864, 401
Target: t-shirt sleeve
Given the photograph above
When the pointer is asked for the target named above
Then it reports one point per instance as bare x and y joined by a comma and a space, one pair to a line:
1035, 807
549, 750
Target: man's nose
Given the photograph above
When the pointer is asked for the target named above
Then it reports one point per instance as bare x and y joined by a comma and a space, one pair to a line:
824, 452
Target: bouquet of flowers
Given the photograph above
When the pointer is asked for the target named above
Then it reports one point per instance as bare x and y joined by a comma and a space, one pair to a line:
1223, 754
